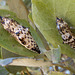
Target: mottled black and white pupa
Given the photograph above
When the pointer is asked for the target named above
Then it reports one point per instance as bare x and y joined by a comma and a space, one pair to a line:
20, 33
66, 34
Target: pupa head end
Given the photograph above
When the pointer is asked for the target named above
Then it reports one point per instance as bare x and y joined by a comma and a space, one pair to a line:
1, 17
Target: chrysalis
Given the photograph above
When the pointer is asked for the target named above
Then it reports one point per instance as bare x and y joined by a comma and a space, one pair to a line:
21, 34
66, 34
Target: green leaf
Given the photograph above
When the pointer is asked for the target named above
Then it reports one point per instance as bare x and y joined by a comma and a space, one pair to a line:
3, 71
11, 69
7, 54
56, 54
44, 15
40, 34
30, 16
0, 51
19, 8
9, 43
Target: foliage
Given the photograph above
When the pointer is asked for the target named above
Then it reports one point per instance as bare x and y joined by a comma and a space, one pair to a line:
54, 59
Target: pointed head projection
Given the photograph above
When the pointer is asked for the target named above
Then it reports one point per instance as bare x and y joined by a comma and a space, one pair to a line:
60, 23
1, 20
0, 17
59, 20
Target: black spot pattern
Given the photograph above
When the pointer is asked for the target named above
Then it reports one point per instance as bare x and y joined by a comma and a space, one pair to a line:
21, 33
68, 36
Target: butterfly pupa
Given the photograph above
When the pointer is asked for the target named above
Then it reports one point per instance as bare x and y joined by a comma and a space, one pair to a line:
66, 34
20, 33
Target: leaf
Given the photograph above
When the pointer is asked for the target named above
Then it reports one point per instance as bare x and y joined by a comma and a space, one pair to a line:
57, 73
46, 45
19, 8
3, 5
9, 43
30, 16
11, 69
0, 52
56, 54
44, 15
22, 61
7, 54
3, 71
